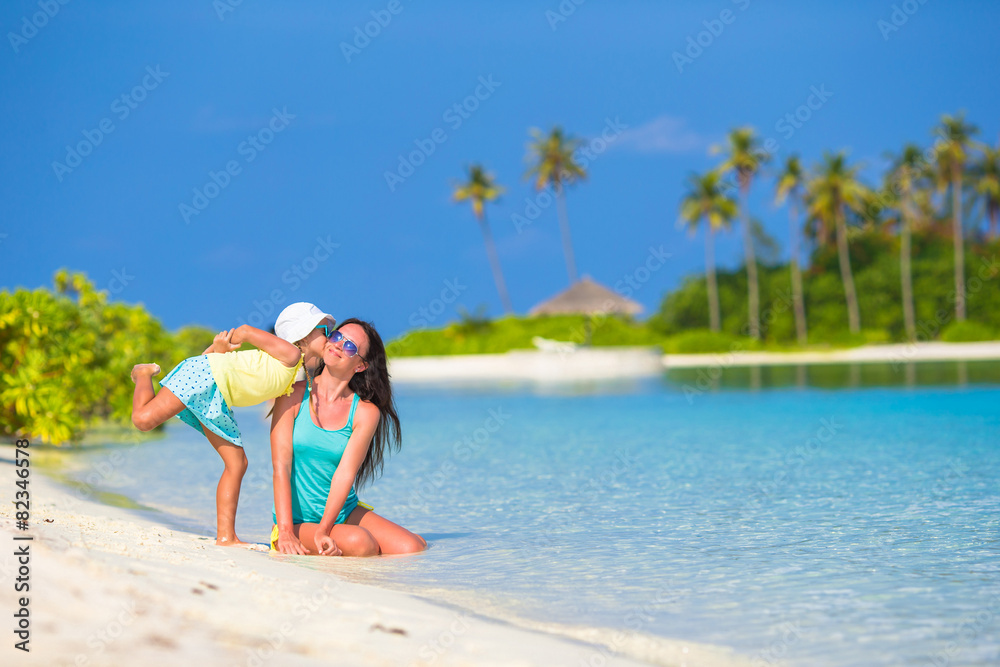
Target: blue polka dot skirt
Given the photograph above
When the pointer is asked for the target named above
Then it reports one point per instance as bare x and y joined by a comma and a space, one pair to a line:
192, 382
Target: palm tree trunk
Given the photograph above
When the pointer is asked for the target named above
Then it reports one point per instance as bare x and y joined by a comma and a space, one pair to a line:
906, 271
798, 303
959, 239
713, 288
853, 316
751, 261
822, 234
994, 211
491, 252
564, 227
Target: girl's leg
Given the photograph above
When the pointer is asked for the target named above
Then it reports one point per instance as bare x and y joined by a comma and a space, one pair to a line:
227, 495
352, 540
149, 410
391, 538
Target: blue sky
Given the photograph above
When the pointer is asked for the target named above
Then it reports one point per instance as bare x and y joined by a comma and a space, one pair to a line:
309, 133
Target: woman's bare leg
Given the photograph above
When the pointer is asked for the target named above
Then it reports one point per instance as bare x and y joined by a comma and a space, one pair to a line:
227, 494
149, 409
391, 538
352, 540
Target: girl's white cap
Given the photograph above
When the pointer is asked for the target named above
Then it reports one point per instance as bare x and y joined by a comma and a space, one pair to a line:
298, 319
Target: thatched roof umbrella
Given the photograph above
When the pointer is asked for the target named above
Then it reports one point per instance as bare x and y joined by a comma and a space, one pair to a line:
585, 297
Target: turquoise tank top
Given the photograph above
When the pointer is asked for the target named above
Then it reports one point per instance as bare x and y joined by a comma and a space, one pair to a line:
316, 453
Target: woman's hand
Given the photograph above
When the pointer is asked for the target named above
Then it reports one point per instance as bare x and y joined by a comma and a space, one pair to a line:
288, 543
325, 546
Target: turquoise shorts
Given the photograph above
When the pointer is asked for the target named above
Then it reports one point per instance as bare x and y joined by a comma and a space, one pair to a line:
192, 382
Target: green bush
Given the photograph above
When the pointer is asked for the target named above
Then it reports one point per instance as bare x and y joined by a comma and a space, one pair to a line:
66, 356
700, 341
515, 333
966, 332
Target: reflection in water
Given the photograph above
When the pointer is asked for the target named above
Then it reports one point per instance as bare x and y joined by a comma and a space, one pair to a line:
839, 376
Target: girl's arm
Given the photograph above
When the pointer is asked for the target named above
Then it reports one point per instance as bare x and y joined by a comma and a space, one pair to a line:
282, 422
281, 350
365, 421
221, 344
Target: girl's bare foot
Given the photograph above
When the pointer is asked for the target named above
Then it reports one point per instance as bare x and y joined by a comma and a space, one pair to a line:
231, 542
144, 370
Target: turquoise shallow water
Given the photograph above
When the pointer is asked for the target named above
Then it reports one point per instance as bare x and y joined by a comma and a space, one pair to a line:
810, 525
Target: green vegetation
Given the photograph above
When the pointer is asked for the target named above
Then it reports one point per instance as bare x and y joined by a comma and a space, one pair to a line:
873, 256
967, 332
682, 324
893, 263
66, 355
480, 336
922, 190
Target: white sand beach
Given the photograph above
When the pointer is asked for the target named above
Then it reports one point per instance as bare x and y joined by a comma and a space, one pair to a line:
108, 587
901, 353
569, 364
609, 363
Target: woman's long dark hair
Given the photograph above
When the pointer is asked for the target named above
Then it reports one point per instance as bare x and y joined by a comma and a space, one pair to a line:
372, 385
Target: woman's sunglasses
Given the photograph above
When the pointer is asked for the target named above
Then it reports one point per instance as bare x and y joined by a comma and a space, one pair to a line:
349, 347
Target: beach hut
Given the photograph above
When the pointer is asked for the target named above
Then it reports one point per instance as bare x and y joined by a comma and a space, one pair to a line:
586, 297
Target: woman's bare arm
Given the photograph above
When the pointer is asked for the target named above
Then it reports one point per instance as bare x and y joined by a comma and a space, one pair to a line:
282, 425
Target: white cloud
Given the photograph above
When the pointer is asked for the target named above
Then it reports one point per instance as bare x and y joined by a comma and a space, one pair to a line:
663, 134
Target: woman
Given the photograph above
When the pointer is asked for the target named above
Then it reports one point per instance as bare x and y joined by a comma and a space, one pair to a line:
331, 431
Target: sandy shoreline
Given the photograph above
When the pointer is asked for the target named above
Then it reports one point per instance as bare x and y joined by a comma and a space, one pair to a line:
111, 588
610, 363
901, 354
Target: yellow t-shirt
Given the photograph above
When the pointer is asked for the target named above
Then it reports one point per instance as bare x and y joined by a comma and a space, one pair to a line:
251, 377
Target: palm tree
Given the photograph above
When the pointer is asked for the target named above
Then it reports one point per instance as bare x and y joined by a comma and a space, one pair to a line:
907, 172
745, 157
707, 200
479, 189
833, 190
790, 184
951, 156
986, 172
553, 164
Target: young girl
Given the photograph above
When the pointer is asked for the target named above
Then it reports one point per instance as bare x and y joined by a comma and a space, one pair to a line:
202, 390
